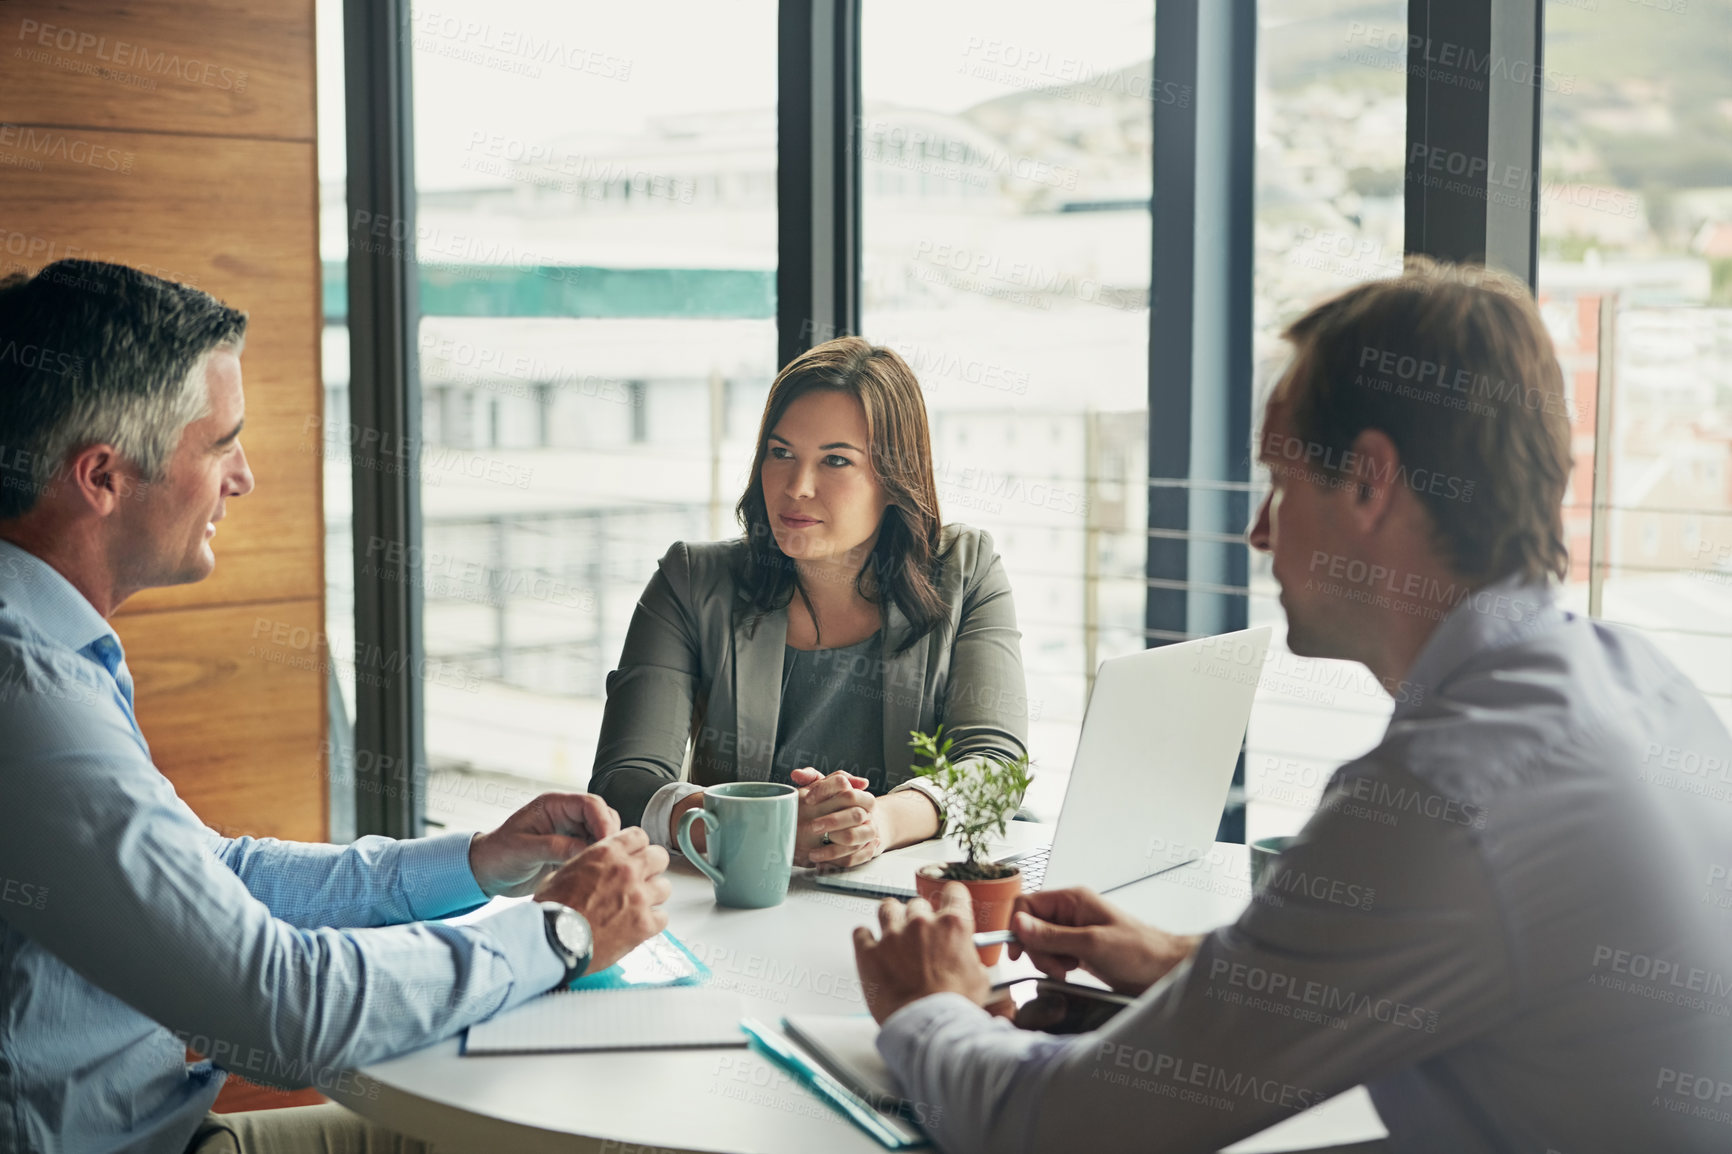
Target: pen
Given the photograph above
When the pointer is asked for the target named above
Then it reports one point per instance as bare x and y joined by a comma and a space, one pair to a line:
994, 938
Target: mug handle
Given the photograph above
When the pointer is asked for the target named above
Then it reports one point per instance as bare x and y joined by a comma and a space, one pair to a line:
685, 840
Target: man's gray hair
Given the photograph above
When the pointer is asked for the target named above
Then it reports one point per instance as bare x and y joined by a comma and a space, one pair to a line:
94, 353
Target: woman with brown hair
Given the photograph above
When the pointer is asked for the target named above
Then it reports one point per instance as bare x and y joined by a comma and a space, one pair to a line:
806, 650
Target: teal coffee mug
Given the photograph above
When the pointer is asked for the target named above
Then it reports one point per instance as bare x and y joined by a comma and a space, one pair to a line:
750, 838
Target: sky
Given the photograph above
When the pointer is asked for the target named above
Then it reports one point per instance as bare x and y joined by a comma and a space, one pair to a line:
606, 66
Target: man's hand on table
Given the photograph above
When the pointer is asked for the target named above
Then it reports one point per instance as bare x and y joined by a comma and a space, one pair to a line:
919, 951
1062, 930
536, 840
616, 884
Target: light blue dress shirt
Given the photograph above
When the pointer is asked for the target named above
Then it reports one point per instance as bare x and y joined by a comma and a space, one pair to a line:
129, 931
1509, 921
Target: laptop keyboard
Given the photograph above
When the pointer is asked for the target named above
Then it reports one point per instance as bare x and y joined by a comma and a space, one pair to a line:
1033, 866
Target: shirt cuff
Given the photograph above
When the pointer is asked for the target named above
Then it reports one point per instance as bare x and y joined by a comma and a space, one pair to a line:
905, 1031
932, 793
655, 814
436, 877
519, 933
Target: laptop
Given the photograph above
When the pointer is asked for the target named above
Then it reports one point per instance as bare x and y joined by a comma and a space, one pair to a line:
1160, 737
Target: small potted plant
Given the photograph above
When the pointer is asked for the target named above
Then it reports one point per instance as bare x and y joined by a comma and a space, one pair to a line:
981, 794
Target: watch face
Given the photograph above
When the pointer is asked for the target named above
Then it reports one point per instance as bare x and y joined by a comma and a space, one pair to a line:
574, 934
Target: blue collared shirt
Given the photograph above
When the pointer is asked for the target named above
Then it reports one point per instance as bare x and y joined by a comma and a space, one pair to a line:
129, 931
1509, 921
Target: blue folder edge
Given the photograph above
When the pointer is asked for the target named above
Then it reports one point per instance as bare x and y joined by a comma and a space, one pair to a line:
613, 978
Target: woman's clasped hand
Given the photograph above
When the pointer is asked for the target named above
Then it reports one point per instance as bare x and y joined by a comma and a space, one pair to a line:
840, 822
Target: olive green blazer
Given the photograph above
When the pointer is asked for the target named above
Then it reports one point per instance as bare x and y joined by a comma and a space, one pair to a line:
698, 692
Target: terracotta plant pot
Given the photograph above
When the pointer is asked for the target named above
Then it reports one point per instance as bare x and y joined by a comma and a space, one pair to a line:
993, 900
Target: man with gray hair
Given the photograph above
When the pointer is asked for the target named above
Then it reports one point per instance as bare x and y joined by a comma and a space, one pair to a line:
130, 931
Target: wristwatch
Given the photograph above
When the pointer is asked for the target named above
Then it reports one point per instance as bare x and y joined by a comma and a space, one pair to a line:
569, 934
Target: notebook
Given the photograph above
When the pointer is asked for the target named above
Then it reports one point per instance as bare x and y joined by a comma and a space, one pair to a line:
883, 1122
846, 1045
651, 1018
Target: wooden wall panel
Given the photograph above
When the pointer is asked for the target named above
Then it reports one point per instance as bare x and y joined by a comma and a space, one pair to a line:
230, 699
179, 138
235, 218
213, 67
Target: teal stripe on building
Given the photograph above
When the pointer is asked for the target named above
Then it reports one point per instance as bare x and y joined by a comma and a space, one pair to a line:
578, 291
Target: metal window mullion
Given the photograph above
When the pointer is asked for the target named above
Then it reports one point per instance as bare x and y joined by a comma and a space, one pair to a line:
1513, 137
1474, 86
817, 174
385, 406
1200, 326
1200, 319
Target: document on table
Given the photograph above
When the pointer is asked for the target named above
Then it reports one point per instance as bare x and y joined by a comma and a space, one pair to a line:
847, 1046
869, 1101
674, 1017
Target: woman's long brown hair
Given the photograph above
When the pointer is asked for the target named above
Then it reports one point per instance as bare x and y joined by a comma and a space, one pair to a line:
904, 561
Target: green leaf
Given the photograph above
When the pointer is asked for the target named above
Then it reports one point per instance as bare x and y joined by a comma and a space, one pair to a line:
981, 792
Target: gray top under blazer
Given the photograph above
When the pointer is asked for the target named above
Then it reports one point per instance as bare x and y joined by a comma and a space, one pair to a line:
697, 695
832, 716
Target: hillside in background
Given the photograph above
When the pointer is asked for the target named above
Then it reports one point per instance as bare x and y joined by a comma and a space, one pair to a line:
1651, 95
1635, 97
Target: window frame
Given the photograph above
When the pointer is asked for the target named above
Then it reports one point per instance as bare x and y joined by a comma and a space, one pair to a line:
386, 747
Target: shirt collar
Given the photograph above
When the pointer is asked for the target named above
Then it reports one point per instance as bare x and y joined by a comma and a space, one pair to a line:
38, 594
1491, 617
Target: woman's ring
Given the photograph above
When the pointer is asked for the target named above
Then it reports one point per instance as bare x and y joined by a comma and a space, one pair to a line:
825, 840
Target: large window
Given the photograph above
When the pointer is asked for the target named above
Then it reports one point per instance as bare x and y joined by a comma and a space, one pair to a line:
1635, 279
596, 252
597, 230
1331, 132
1006, 235
597, 261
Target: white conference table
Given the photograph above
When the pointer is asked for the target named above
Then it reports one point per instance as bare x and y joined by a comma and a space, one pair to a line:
795, 958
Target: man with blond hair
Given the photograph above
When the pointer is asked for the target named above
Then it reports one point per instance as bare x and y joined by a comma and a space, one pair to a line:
1504, 919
